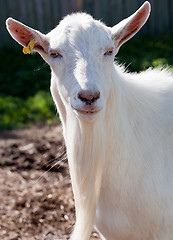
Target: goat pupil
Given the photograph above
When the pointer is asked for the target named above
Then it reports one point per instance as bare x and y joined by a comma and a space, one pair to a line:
109, 52
54, 55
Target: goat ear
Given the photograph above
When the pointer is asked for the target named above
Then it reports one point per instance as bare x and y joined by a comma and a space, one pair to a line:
127, 28
24, 34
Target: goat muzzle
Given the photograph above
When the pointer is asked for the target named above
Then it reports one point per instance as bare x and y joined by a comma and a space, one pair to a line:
88, 97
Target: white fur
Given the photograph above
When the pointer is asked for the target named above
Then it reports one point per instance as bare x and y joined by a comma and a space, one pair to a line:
128, 149
120, 158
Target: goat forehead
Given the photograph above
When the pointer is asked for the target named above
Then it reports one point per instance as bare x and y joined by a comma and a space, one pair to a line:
81, 32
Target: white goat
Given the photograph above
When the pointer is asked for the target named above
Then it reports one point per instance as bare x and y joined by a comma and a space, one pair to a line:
118, 127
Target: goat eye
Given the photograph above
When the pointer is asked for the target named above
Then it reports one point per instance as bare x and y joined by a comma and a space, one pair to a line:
55, 55
108, 52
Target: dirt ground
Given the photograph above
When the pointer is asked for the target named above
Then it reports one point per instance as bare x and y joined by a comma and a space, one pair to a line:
36, 200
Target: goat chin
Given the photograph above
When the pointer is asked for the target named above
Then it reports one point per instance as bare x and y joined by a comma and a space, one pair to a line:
87, 116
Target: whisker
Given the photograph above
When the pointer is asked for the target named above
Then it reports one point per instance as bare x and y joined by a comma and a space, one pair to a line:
44, 65
61, 162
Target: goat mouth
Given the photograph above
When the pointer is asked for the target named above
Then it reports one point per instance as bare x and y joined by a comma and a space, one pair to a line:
87, 112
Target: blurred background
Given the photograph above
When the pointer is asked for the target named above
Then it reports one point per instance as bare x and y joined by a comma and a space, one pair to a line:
24, 79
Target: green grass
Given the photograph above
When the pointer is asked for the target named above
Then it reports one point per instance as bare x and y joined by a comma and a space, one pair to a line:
25, 79
24, 89
16, 112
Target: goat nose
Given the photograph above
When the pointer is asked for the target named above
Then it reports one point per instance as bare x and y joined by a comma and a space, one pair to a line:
88, 96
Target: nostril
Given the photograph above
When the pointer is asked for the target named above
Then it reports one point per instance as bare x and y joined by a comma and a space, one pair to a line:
88, 97
97, 95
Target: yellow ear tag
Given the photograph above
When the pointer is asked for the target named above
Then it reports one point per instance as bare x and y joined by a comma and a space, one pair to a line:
28, 49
